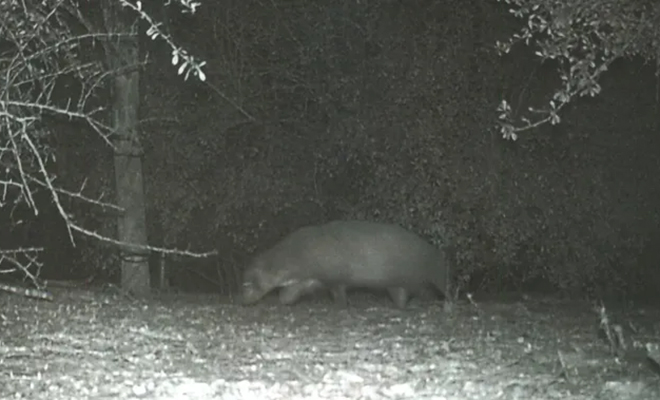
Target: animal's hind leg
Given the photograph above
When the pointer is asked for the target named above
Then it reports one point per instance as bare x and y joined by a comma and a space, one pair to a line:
339, 295
399, 295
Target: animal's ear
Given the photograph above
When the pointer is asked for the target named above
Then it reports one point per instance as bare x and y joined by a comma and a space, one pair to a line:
252, 276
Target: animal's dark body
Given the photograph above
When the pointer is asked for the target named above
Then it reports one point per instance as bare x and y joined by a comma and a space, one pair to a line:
343, 254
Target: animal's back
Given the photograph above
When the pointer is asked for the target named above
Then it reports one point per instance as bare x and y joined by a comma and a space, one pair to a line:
384, 254
304, 250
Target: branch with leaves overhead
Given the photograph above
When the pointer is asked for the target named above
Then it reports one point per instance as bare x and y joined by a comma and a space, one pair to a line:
584, 37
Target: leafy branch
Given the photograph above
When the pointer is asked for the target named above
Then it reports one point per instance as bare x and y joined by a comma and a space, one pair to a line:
583, 37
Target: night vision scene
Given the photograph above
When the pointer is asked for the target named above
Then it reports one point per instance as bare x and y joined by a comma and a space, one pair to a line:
330, 199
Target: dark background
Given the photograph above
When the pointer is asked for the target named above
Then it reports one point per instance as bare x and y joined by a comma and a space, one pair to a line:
381, 110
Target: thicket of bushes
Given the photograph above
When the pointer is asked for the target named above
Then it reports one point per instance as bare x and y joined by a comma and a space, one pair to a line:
383, 110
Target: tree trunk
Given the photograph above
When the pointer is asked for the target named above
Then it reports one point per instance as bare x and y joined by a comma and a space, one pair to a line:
123, 53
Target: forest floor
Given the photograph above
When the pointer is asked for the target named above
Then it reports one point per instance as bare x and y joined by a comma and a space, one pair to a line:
91, 344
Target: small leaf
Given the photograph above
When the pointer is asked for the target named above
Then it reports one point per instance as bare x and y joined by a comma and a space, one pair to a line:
555, 119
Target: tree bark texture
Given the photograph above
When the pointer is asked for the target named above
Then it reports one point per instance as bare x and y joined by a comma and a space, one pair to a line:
123, 53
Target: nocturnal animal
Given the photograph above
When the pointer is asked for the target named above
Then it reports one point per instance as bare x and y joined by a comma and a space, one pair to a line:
340, 255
